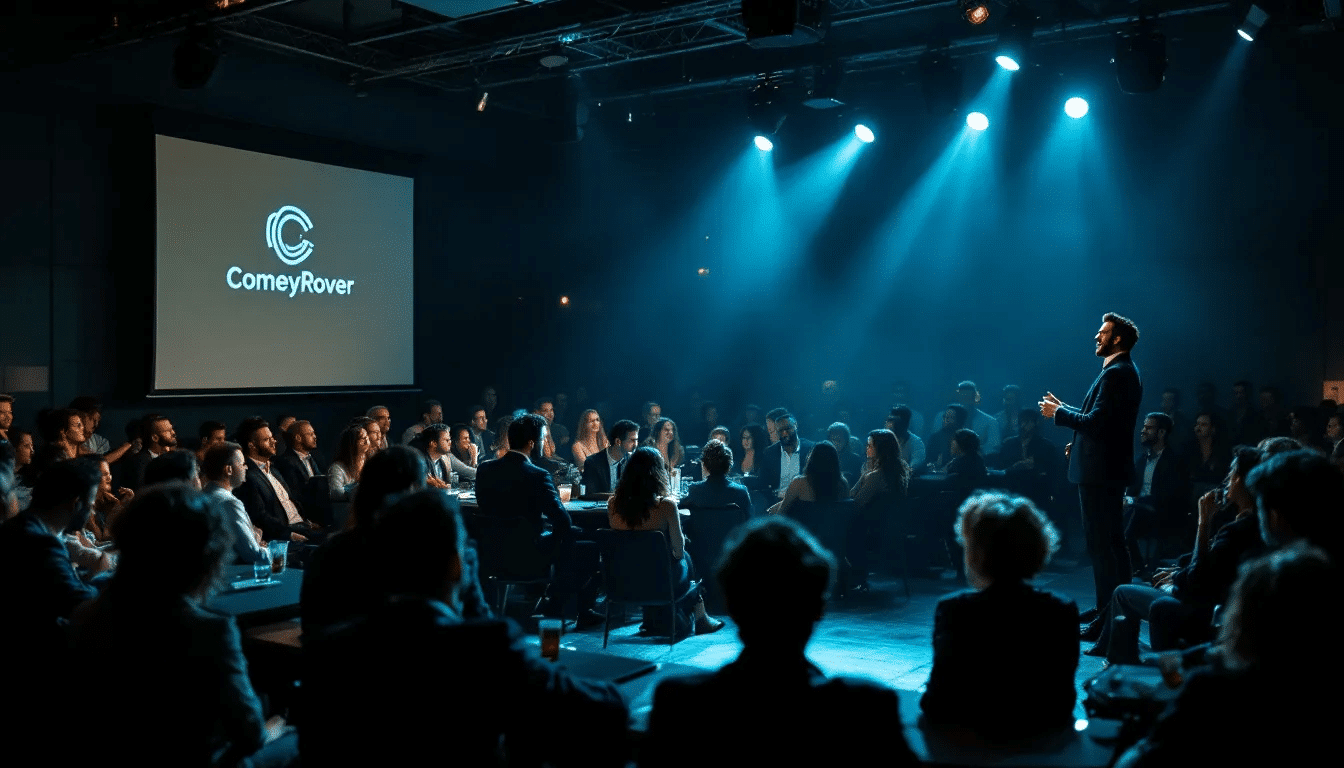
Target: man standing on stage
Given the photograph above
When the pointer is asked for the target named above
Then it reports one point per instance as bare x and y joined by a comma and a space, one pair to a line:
1101, 457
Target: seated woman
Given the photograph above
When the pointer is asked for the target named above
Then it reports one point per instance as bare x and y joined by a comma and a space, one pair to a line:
589, 437
754, 443
1253, 705
967, 469
375, 432
25, 474
352, 450
642, 503
821, 480
939, 448
663, 438
885, 476
979, 684
174, 541
501, 444
462, 452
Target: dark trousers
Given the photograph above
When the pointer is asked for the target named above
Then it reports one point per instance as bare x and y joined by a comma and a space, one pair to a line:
576, 565
1104, 532
1171, 623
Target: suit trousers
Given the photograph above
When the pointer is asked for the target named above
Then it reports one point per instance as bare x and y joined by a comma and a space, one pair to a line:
1104, 532
1169, 622
576, 565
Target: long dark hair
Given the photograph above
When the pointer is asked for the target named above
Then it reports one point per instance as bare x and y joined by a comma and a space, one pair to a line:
887, 460
959, 418
642, 482
457, 429
760, 440
823, 473
386, 473
674, 451
348, 451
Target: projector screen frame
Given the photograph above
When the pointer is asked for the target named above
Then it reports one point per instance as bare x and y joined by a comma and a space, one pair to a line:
278, 143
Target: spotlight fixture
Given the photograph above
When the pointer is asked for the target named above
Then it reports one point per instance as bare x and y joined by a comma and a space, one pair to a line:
1015, 39
1255, 19
864, 133
765, 107
764, 144
940, 80
703, 271
483, 102
977, 121
1075, 107
1140, 58
564, 301
785, 23
555, 57
974, 11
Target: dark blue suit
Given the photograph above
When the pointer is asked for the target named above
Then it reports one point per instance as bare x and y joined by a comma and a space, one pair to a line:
1102, 464
597, 473
512, 486
770, 459
716, 493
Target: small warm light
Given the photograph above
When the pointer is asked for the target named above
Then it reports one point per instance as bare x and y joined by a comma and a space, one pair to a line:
977, 121
1079, 725
702, 271
485, 99
564, 301
975, 12
764, 144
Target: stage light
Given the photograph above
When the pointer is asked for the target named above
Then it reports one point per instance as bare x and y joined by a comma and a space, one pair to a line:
703, 271
482, 102
1140, 58
564, 301
977, 121
1250, 27
1015, 39
765, 108
764, 144
1075, 107
974, 11
864, 133
823, 92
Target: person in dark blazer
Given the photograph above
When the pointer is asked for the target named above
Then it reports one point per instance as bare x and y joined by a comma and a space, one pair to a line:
598, 476
157, 437
301, 462
1101, 456
1159, 497
980, 685
775, 578
270, 503
789, 446
512, 486
966, 471
716, 491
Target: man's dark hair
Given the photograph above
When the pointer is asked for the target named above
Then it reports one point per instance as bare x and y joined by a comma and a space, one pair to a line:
416, 541
1306, 491
967, 440
1246, 458
775, 413
386, 473
786, 416
1125, 329
620, 429
52, 423
961, 417
717, 458
1012, 389
775, 578
525, 429
4, 398
217, 458
291, 434
248, 430
86, 404
209, 428
1272, 446
281, 418
429, 405
842, 428
540, 401
171, 540
967, 384
649, 406
66, 480
432, 433
471, 412
900, 419
170, 466
1164, 422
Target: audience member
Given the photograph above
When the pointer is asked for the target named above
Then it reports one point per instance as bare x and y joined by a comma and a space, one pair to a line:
25, 474
1244, 425
1271, 412
885, 471
489, 399
224, 470
754, 442
1026, 451
1306, 427
1259, 704
939, 451
1209, 453
191, 681
301, 463
1012, 411
157, 437
1334, 431
481, 436
435, 441
108, 504
785, 459
966, 471
281, 427
716, 491
463, 457
1156, 500
602, 470
513, 486
642, 503
431, 413
545, 408
1181, 430
664, 438
1179, 605
375, 433
588, 437
821, 479
352, 451
650, 414
982, 423
772, 423
980, 685
210, 434
912, 445
383, 418
374, 687
6, 415
1299, 497
62, 433
1272, 446
501, 444
91, 411
269, 502
720, 433
174, 466
775, 579
900, 395
851, 464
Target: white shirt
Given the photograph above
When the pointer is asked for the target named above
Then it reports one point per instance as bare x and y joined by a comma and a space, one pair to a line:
1148, 471
291, 510
987, 427
789, 468
98, 444
245, 544
304, 459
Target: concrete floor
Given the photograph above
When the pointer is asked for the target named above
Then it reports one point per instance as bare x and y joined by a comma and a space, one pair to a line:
879, 635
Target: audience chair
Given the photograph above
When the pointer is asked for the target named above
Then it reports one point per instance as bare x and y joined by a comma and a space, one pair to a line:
707, 529
829, 522
638, 569
508, 554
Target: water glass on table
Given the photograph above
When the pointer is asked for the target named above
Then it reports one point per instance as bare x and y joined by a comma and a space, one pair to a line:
261, 570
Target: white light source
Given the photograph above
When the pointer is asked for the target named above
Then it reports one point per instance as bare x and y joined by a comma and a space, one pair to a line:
1255, 19
764, 144
864, 133
1245, 36
1075, 107
1008, 63
977, 121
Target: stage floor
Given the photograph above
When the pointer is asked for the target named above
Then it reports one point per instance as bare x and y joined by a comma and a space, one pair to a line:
879, 635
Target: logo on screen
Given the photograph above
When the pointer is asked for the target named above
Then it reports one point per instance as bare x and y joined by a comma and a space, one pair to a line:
275, 225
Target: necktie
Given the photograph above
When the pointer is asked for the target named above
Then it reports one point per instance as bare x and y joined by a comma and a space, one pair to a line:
438, 470
312, 465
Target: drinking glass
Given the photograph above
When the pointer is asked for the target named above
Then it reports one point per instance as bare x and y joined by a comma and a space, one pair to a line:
566, 491
279, 551
261, 571
550, 630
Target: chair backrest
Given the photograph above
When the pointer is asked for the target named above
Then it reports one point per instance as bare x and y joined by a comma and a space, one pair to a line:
507, 548
637, 565
828, 521
708, 528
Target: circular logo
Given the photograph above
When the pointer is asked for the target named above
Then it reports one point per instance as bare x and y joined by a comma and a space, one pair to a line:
275, 224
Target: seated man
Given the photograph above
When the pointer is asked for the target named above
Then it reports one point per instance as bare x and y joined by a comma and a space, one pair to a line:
912, 445
301, 462
224, 470
1155, 502
512, 486
851, 463
374, 688
603, 469
716, 491
787, 458
269, 502
775, 578
986, 426
1026, 452
157, 437
432, 414
1298, 498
